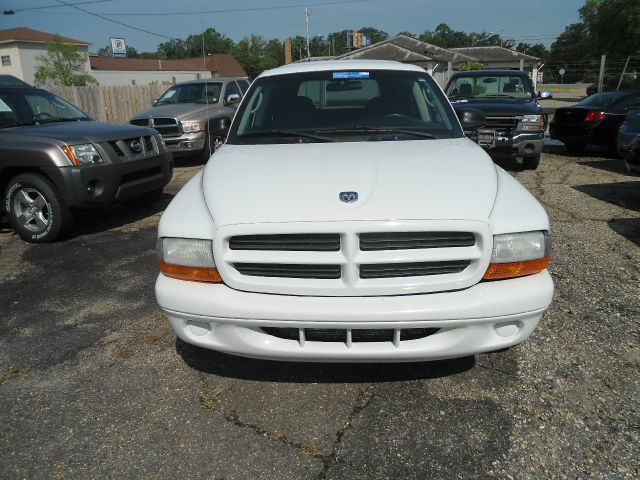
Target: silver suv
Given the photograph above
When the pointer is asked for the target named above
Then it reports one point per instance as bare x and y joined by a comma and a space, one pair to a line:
193, 117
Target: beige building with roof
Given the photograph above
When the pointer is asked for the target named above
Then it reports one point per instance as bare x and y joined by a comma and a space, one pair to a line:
142, 71
21, 47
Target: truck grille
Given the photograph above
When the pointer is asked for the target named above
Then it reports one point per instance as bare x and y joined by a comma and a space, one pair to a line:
361, 258
349, 336
318, 242
166, 126
414, 240
501, 122
124, 148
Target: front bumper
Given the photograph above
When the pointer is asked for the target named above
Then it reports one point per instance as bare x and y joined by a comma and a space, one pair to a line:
105, 183
488, 316
186, 143
518, 144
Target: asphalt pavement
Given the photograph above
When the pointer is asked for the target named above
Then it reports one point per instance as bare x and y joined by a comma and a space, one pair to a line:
93, 383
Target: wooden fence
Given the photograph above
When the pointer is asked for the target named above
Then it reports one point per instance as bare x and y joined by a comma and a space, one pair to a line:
111, 103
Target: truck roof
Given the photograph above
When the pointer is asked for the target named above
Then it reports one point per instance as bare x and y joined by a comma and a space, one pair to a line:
341, 65
490, 71
210, 80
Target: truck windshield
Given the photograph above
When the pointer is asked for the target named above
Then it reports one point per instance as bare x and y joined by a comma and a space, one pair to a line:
500, 86
334, 106
191, 93
29, 106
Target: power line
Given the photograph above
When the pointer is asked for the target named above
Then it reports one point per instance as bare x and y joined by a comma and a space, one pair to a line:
72, 5
235, 10
58, 6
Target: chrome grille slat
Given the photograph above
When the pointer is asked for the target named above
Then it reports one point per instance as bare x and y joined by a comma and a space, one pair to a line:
501, 122
394, 270
316, 242
414, 240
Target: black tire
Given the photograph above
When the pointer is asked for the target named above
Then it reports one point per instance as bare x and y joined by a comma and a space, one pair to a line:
531, 163
145, 200
575, 146
35, 208
210, 147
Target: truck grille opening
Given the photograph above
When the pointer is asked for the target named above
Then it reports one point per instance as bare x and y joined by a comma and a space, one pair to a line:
501, 122
393, 270
140, 174
341, 335
289, 271
415, 240
148, 144
117, 149
313, 242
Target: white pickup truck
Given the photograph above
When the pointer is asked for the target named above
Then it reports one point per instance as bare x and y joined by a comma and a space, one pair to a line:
348, 219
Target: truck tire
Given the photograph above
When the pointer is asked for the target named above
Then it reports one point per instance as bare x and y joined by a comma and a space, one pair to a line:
531, 163
35, 208
210, 147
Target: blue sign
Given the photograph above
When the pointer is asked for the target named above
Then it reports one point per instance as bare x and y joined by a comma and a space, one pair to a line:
337, 75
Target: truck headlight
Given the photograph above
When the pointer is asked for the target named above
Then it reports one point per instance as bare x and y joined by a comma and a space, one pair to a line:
192, 127
85, 154
187, 259
532, 123
519, 254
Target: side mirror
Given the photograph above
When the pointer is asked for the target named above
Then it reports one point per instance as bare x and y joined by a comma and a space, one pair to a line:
153, 103
471, 118
544, 95
232, 98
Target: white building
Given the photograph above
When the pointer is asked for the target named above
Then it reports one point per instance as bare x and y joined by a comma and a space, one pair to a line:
21, 47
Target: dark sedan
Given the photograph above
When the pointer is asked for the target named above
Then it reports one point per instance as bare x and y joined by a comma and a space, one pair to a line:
594, 120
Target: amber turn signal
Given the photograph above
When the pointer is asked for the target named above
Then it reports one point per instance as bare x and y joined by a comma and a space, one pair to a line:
68, 151
497, 271
193, 274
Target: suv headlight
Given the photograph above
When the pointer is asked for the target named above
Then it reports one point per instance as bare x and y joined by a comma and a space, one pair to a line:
85, 154
192, 127
519, 254
187, 259
532, 123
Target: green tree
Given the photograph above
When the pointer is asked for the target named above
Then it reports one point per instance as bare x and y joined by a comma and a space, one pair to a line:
613, 26
537, 50
374, 34
62, 65
466, 66
214, 42
255, 54
444, 36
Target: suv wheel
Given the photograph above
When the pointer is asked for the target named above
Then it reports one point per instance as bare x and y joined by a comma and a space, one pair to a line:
531, 163
35, 208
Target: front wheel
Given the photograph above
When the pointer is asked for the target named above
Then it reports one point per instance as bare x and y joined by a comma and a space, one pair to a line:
531, 163
211, 144
35, 208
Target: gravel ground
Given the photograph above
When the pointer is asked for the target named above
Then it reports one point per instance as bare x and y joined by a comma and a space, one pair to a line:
93, 383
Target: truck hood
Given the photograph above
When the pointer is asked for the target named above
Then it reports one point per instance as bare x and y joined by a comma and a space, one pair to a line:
500, 107
81, 132
395, 180
181, 110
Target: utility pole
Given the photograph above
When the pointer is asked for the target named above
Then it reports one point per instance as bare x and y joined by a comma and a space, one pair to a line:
603, 59
306, 29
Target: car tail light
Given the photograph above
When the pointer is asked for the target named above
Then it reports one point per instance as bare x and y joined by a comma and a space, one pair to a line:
594, 117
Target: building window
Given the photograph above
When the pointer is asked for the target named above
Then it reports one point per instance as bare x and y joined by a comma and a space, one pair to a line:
6, 61
133, 81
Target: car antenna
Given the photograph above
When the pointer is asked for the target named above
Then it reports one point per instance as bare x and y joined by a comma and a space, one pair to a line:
206, 92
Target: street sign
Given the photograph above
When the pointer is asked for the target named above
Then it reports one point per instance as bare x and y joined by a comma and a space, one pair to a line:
118, 47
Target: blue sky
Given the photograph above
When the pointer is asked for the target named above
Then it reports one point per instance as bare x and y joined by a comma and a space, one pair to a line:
524, 20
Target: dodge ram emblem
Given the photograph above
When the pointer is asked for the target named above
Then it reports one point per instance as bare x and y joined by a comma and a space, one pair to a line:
349, 197
135, 146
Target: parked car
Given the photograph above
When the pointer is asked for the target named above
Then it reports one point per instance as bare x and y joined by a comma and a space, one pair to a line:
594, 120
515, 122
55, 159
194, 117
347, 218
628, 131
632, 156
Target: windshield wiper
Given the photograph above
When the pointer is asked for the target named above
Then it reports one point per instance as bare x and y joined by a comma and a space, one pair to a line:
285, 133
59, 120
365, 129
